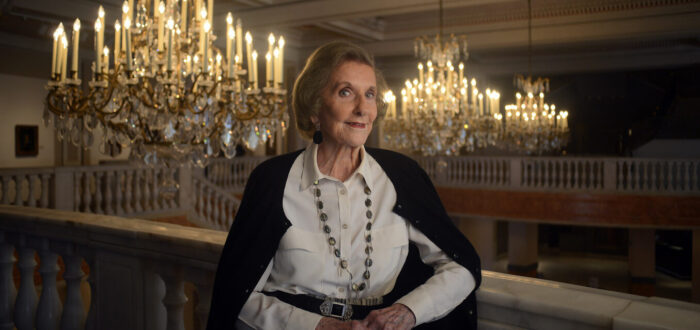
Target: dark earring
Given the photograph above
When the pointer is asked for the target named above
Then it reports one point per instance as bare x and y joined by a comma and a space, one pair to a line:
318, 137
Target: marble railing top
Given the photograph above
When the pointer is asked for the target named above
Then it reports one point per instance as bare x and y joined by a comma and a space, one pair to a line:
580, 305
195, 246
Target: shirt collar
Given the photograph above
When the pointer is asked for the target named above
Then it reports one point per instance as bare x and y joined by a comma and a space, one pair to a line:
311, 173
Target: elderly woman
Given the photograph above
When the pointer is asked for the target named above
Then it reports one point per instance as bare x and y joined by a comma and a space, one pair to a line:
339, 236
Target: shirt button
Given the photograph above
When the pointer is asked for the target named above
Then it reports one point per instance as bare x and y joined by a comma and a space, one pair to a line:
341, 289
345, 226
343, 191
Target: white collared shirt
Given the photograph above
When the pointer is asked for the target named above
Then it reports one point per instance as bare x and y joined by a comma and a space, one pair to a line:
305, 264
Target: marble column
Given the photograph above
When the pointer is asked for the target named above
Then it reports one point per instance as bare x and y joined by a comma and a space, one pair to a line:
522, 248
481, 232
642, 261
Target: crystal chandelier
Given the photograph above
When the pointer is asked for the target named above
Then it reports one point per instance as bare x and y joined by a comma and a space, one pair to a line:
442, 111
169, 93
531, 125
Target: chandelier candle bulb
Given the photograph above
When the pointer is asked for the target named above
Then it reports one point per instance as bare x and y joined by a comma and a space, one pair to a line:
239, 40
197, 9
230, 33
171, 31
76, 46
268, 69
64, 57
98, 45
183, 16
248, 50
277, 67
254, 68
161, 25
54, 53
205, 56
229, 50
280, 43
117, 42
461, 72
127, 35
105, 63
210, 9
125, 12
131, 11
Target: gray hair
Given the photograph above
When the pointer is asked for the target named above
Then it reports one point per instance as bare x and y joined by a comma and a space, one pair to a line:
306, 95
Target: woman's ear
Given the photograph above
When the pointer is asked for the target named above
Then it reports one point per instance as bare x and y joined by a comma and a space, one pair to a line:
315, 121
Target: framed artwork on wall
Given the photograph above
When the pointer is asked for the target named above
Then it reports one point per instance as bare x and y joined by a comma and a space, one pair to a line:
26, 140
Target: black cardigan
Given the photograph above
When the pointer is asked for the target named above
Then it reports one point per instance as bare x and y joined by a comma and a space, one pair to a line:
261, 222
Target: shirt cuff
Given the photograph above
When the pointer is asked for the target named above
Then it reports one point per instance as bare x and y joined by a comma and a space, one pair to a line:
301, 319
420, 303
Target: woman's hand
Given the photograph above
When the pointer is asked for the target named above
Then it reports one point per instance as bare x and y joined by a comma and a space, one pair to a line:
394, 317
332, 324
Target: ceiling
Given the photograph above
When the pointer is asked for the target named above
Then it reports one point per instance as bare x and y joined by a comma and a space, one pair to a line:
568, 35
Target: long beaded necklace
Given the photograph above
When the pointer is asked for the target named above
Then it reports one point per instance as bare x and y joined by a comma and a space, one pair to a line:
323, 217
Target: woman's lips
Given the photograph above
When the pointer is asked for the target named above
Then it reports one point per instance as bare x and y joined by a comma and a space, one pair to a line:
356, 125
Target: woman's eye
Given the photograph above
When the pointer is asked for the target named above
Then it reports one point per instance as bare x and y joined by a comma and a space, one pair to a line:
370, 95
344, 92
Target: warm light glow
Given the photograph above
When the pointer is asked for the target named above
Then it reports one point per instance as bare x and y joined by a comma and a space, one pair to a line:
76, 25
207, 26
105, 51
127, 23
271, 39
280, 42
98, 25
117, 26
231, 33
248, 37
101, 12
161, 8
255, 55
171, 23
203, 13
229, 18
125, 7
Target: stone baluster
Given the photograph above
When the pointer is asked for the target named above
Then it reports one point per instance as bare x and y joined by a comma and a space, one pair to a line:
98, 193
5, 183
199, 199
108, 193
574, 174
215, 213
76, 198
128, 178
93, 312
7, 286
154, 188
211, 196
73, 317
175, 298
87, 192
45, 190
31, 201
172, 203
25, 305
136, 175
19, 178
202, 281
147, 195
48, 312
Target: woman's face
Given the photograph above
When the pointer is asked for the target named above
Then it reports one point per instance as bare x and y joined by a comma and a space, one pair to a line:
349, 105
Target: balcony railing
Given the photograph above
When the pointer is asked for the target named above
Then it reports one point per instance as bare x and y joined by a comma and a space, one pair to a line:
610, 175
136, 273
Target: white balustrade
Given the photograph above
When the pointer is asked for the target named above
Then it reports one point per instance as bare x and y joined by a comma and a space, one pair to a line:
8, 292
214, 207
48, 312
232, 174
119, 251
25, 305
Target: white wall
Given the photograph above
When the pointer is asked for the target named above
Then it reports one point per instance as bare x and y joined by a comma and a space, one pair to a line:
22, 103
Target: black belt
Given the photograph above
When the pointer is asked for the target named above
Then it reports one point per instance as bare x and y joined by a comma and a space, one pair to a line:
328, 307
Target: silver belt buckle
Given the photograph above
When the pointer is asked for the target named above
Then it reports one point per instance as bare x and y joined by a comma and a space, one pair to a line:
335, 309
